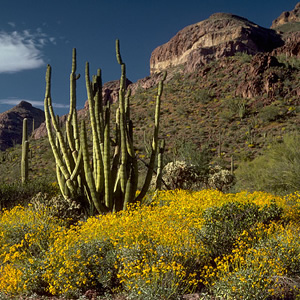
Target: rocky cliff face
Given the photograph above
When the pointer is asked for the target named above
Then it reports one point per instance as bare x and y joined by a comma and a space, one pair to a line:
287, 17
11, 123
219, 36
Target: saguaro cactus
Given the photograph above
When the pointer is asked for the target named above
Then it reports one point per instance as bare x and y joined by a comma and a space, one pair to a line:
108, 180
25, 150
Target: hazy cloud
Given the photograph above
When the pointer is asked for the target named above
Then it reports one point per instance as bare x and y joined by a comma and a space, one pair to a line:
22, 50
15, 101
12, 24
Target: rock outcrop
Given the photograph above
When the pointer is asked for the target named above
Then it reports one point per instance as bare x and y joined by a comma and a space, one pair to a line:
219, 36
286, 17
291, 48
11, 123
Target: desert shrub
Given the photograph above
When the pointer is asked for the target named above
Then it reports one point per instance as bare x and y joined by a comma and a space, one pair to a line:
219, 178
16, 193
223, 225
78, 261
235, 106
179, 175
191, 164
203, 96
266, 269
24, 240
149, 251
150, 271
269, 113
277, 170
68, 210
243, 57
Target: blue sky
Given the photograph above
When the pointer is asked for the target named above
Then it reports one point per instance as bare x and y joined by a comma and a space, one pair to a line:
34, 33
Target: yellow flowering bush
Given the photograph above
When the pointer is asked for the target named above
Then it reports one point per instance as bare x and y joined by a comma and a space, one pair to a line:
160, 250
25, 235
80, 259
267, 267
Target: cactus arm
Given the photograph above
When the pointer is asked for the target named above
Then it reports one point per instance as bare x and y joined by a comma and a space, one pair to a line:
132, 181
25, 131
77, 167
88, 172
123, 173
99, 107
59, 135
154, 142
25, 150
98, 171
65, 172
73, 112
70, 133
106, 161
160, 165
116, 157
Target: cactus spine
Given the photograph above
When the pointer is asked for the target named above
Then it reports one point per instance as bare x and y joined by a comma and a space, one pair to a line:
109, 182
25, 150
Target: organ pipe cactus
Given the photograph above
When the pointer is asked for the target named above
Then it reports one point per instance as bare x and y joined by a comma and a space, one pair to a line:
25, 150
160, 165
108, 177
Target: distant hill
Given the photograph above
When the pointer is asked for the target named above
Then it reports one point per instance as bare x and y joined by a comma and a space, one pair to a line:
11, 123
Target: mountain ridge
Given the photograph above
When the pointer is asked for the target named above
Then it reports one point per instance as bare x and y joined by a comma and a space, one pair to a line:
253, 85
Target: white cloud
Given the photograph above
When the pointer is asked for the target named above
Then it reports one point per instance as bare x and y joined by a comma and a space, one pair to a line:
16, 101
22, 50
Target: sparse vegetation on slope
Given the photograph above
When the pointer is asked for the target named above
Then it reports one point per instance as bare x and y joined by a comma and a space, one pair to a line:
204, 109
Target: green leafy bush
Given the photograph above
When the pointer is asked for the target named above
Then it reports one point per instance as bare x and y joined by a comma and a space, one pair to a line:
277, 170
223, 225
17, 193
269, 113
203, 96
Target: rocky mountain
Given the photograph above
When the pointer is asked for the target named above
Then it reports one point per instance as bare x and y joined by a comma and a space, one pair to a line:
11, 123
221, 35
287, 17
216, 96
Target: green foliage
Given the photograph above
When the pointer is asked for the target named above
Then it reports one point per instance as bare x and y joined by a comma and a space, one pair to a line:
223, 225
203, 96
235, 107
15, 193
98, 272
277, 170
289, 27
191, 154
243, 57
269, 113
265, 270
